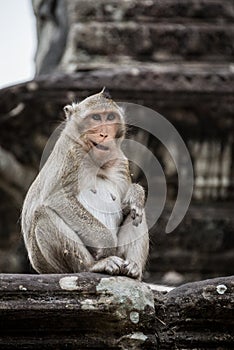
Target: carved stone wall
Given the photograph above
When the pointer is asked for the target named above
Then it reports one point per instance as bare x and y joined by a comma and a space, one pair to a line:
130, 32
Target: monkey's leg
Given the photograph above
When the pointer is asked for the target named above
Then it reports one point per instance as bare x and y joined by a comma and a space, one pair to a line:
55, 247
89, 229
133, 246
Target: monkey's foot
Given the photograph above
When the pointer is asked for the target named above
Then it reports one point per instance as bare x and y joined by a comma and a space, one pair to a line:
111, 265
131, 269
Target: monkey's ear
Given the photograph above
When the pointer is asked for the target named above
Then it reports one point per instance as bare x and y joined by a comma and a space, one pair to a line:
69, 110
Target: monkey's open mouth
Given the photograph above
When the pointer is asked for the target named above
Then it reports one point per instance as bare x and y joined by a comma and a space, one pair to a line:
99, 146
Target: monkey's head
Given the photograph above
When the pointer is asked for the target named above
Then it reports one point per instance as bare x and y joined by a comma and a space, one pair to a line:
97, 123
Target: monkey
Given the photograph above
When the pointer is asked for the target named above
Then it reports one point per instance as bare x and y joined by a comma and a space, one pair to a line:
82, 212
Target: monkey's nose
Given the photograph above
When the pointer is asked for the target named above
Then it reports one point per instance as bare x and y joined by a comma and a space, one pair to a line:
103, 135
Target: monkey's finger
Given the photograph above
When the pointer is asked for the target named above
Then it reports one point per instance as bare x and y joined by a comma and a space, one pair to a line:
114, 265
137, 220
129, 264
126, 263
133, 214
117, 260
112, 268
131, 269
125, 267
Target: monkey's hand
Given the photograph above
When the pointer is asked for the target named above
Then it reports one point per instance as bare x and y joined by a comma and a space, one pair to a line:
112, 265
134, 202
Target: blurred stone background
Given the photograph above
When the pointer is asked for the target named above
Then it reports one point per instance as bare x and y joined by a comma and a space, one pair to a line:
174, 56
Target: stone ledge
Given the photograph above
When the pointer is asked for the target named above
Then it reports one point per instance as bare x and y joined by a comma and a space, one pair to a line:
174, 78
93, 311
141, 10
77, 311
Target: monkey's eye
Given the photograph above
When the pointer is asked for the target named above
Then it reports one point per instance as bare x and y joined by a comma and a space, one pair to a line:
111, 116
96, 117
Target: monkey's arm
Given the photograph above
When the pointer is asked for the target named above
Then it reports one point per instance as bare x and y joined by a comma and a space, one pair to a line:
133, 246
133, 238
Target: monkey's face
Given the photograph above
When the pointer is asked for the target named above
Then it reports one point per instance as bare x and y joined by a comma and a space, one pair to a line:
101, 132
97, 123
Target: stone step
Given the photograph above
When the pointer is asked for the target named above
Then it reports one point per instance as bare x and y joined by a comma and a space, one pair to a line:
115, 42
186, 77
151, 10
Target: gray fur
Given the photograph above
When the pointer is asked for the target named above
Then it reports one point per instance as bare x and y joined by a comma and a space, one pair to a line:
62, 234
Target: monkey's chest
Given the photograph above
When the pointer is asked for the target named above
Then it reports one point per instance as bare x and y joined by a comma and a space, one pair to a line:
103, 201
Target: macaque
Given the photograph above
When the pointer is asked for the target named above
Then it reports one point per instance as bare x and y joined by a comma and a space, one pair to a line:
82, 212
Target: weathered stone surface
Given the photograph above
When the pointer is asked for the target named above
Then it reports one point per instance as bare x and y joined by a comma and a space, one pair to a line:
144, 11
92, 311
197, 315
84, 311
74, 34
123, 42
151, 78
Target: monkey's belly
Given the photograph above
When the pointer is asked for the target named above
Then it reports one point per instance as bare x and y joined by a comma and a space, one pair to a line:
104, 204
